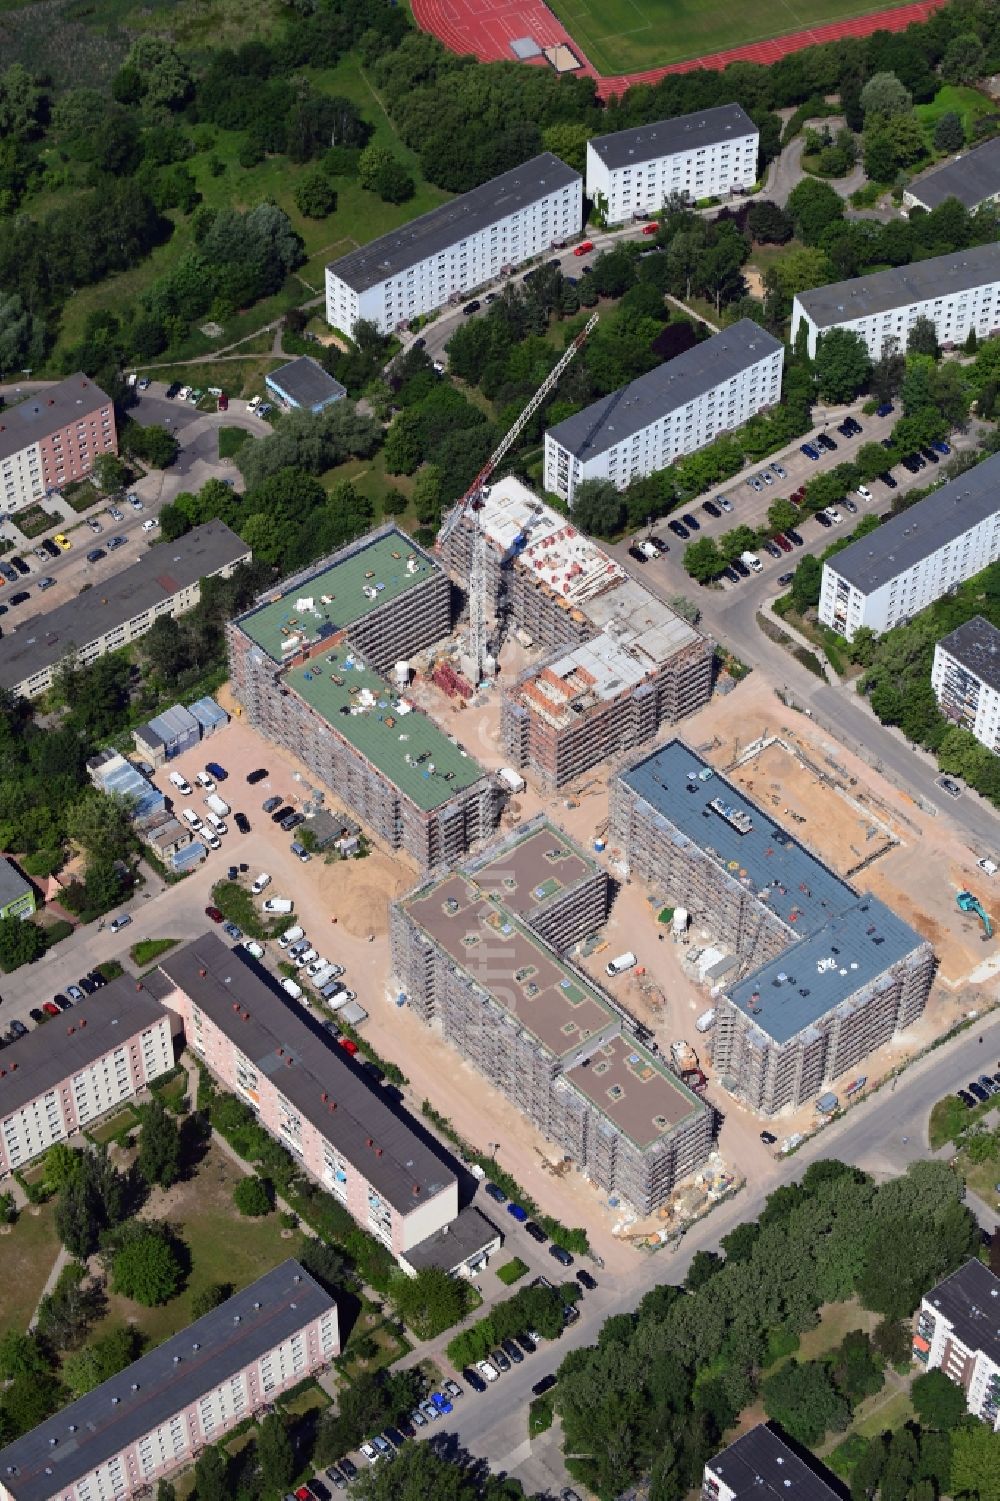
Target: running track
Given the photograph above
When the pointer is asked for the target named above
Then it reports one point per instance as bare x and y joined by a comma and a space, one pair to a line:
486, 28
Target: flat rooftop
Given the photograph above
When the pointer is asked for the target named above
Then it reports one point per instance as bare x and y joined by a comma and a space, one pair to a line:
970, 1301
920, 281
305, 383
404, 743
641, 622
760, 1466
536, 864
924, 529
363, 578
468, 1233
310, 1071
973, 178
976, 647
164, 570
653, 396
46, 411
645, 143
633, 1089
73, 1040
49, 1459
436, 231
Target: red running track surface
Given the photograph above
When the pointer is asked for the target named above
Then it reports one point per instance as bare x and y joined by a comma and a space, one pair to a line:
486, 28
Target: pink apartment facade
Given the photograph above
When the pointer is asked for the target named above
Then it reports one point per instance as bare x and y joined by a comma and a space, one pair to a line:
53, 438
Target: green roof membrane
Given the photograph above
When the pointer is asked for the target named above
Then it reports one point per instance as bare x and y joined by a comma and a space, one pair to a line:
403, 743
345, 592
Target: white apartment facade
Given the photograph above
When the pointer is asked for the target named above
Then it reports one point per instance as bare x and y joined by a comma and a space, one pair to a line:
56, 1081
673, 410
965, 677
461, 245
709, 154
958, 293
957, 1331
884, 579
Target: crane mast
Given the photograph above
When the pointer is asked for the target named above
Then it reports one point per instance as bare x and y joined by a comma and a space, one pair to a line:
472, 501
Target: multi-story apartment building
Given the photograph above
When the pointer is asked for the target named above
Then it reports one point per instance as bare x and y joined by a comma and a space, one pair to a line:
762, 1466
308, 1094
165, 581
53, 438
17, 896
456, 247
957, 1331
705, 155
480, 957
61, 1078
672, 410
965, 677
821, 976
156, 1415
301, 664
885, 578
973, 178
957, 292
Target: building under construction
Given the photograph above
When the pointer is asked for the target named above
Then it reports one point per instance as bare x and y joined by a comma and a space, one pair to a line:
620, 663
480, 957
305, 663
822, 976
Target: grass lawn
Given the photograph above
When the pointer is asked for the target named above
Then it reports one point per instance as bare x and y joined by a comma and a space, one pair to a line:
981, 1177
969, 103
107, 1130
621, 36
231, 440
369, 478
27, 1255
148, 949
242, 378
891, 1413
511, 1271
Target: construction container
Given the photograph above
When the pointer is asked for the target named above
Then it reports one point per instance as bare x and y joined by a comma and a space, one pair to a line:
706, 1020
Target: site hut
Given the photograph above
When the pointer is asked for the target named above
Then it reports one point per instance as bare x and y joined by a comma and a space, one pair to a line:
60, 1079
165, 581
110, 773
156, 1416
884, 579
761, 1465
673, 410
958, 293
460, 245
52, 438
17, 896
168, 736
957, 1331
305, 663
973, 177
304, 386
709, 154
479, 957
308, 1093
820, 976
965, 677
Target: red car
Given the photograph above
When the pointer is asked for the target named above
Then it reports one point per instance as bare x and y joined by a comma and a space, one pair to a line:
348, 1044
650, 229
585, 248
50, 1008
223, 402
783, 542
213, 913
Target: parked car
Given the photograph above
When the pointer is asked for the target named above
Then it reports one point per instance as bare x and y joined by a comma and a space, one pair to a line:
253, 777
63, 1002
544, 1385
172, 390
517, 1212
691, 522
825, 441
584, 248
535, 1231
527, 1343
793, 536
772, 550
850, 505
782, 542
48, 583
119, 922
472, 1378
636, 554
810, 451
768, 1138
885, 410
513, 1351
500, 1360
711, 508
114, 543
888, 480
678, 530
979, 1092
779, 470
585, 1279
496, 1194
725, 504
755, 484
823, 519
940, 446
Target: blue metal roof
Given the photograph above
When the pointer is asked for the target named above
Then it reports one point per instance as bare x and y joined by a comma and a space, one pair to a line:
121, 776
208, 713
174, 724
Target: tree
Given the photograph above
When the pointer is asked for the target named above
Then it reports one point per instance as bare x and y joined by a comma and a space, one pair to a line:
781, 514
806, 583
63, 1165
855, 1368
211, 1297
597, 507
146, 1267
923, 339
427, 495
769, 224
975, 1463
21, 942
938, 1402
153, 444
567, 139
22, 334
813, 206
101, 823
893, 1339
159, 1145
87, 1368
740, 539
20, 1355
165, 1491
430, 1302
165, 646
804, 1401
315, 195
253, 1196
164, 78
842, 364
211, 1474
963, 60
109, 472
370, 163
275, 1454
703, 561
885, 97
949, 132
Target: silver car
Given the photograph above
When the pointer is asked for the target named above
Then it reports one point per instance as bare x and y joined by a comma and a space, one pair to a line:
779, 470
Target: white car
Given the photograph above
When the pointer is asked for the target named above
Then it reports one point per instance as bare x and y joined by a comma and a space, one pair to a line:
864, 492
726, 505
148, 525
990, 866
204, 780
306, 957
487, 1371
834, 515
314, 967
370, 1453
254, 403
262, 881
183, 393
94, 524
255, 949
212, 840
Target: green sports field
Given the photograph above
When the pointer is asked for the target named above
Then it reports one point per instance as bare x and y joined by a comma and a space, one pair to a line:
629, 36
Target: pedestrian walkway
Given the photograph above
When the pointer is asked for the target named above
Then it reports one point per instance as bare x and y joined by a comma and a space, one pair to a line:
767, 610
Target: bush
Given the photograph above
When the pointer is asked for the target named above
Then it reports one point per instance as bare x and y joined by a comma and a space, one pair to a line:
146, 1267
254, 1196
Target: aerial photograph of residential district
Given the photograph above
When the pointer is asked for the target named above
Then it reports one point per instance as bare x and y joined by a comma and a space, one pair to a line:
499, 750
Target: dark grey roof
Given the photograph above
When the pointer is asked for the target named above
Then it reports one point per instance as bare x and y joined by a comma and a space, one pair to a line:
310, 1070
726, 122
917, 533
972, 178
121, 1411
628, 410
976, 647
72, 1041
305, 383
12, 883
970, 1301
75, 397
451, 222
760, 1466
920, 281
43, 640
454, 1243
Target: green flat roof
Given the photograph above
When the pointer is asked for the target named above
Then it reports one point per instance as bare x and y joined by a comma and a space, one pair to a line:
338, 593
386, 745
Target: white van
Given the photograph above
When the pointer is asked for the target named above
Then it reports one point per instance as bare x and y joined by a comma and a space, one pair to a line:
290, 988
210, 839
191, 818
262, 881
622, 963
176, 780
279, 904
218, 824
290, 936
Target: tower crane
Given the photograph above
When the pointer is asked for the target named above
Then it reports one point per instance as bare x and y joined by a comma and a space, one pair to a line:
472, 501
